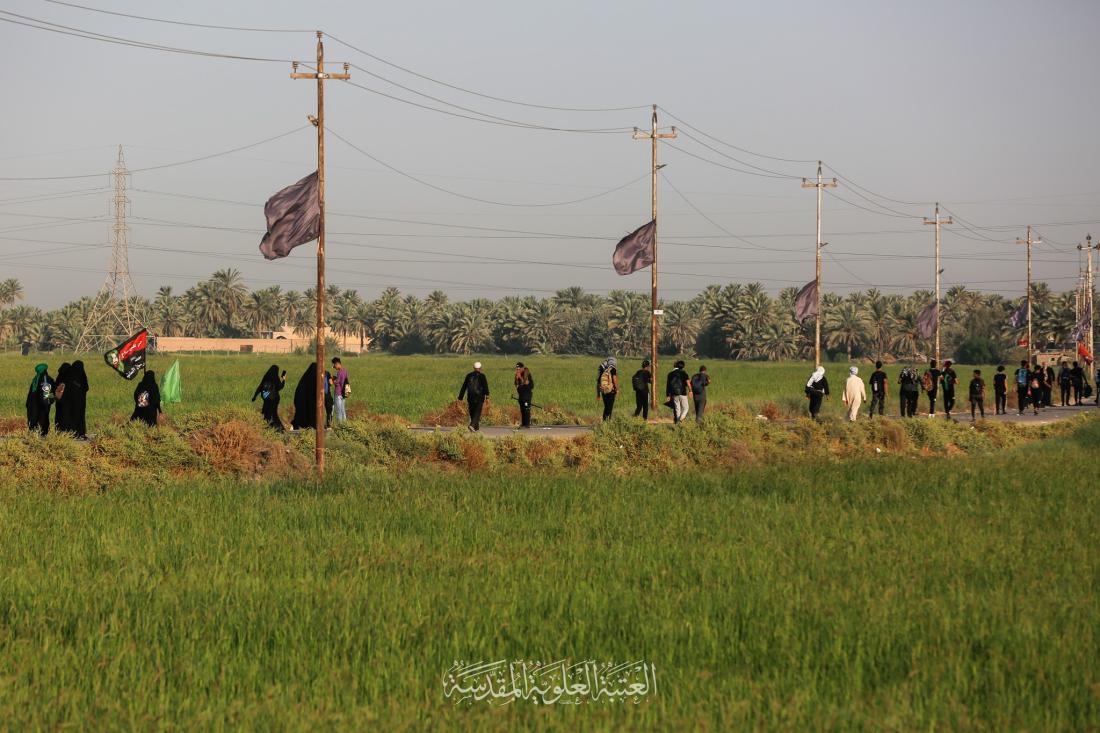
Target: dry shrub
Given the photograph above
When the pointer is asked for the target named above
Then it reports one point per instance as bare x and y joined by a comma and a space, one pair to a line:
577, 452
894, 436
540, 451
456, 413
241, 449
737, 452
771, 411
474, 455
12, 425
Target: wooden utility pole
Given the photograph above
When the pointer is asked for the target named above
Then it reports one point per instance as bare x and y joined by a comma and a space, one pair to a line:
937, 221
319, 123
820, 185
1029, 241
1086, 296
653, 136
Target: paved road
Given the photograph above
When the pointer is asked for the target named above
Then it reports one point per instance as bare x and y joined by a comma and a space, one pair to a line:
1045, 417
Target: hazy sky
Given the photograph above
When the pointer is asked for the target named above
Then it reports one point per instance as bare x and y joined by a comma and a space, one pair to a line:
989, 107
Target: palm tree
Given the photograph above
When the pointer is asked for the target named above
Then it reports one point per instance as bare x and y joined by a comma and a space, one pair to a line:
10, 291
230, 293
680, 326
544, 326
846, 327
628, 321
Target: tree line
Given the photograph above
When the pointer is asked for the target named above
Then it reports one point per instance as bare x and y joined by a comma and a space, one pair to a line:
738, 321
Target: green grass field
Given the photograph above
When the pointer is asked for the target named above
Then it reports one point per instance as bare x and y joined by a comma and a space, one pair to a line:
878, 576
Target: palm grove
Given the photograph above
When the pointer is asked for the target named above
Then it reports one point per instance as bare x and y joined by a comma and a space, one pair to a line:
733, 321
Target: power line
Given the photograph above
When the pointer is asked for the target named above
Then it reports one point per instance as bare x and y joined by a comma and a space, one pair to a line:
161, 166
712, 221
65, 30
738, 160
479, 94
731, 145
180, 22
723, 165
475, 198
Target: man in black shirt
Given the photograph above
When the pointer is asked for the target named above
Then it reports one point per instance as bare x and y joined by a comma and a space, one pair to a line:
475, 388
1000, 390
878, 388
948, 379
699, 383
930, 382
1077, 382
642, 382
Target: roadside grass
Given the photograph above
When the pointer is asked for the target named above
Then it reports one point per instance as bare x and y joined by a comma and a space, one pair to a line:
863, 593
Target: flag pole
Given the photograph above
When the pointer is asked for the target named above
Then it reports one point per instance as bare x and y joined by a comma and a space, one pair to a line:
319, 123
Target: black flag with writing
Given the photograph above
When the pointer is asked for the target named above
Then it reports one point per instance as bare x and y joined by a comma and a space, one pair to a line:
293, 218
635, 250
128, 358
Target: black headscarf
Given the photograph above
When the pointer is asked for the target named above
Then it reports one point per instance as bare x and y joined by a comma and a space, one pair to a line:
78, 376
270, 382
305, 400
62, 373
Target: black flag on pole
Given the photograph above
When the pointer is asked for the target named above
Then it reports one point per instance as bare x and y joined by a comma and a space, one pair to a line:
805, 303
635, 250
926, 320
1018, 319
128, 358
293, 218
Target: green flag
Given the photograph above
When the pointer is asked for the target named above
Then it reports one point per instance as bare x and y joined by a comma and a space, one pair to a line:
170, 387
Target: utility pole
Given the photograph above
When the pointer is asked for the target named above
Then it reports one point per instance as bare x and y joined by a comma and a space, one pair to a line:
1029, 241
653, 136
938, 221
820, 185
1086, 296
319, 123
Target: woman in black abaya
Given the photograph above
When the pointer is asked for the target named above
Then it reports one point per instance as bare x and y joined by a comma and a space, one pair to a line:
268, 390
76, 400
60, 418
305, 400
147, 400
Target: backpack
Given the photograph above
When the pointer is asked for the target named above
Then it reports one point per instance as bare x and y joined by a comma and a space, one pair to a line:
607, 382
473, 386
676, 385
1035, 383
698, 383
926, 382
638, 381
1021, 376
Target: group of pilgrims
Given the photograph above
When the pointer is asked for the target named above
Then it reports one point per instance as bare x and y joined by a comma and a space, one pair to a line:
1034, 386
66, 395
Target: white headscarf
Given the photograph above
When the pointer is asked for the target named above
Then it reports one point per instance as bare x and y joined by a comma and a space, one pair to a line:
854, 371
609, 363
818, 374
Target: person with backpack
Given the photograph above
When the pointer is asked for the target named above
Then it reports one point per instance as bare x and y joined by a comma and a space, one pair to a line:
642, 382
677, 389
699, 383
40, 400
817, 389
147, 400
1023, 377
268, 391
854, 393
1035, 387
525, 388
607, 385
948, 380
878, 389
1000, 391
977, 394
909, 389
475, 388
341, 391
930, 382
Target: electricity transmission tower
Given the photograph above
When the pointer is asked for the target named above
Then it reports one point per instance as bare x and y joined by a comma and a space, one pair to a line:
114, 315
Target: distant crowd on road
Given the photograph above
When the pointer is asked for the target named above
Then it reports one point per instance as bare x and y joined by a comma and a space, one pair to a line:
1034, 385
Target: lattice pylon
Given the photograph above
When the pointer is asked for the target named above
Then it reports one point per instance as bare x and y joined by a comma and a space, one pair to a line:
113, 315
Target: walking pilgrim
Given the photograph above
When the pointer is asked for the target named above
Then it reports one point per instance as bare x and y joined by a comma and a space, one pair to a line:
854, 393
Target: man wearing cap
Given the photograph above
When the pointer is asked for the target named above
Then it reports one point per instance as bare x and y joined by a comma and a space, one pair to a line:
642, 382
475, 388
525, 386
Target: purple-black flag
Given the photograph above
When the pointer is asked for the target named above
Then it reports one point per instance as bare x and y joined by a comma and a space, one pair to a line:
293, 218
805, 303
1082, 327
635, 250
926, 320
1018, 319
